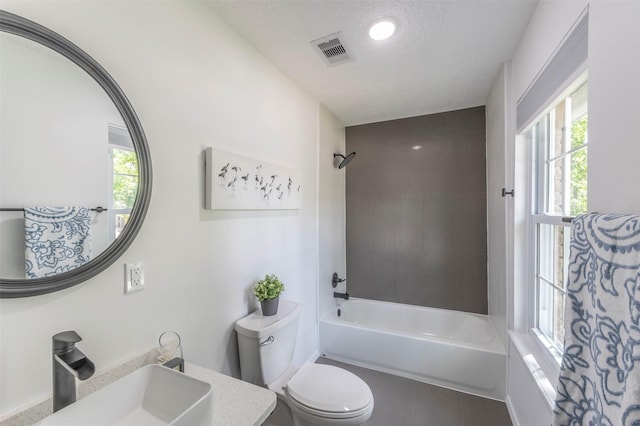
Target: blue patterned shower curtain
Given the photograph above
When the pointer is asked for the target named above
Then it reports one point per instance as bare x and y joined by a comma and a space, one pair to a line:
57, 239
599, 381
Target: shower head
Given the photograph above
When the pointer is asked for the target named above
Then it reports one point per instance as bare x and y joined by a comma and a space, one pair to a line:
345, 160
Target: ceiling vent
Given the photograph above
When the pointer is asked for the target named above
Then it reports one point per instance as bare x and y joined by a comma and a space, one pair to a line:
332, 49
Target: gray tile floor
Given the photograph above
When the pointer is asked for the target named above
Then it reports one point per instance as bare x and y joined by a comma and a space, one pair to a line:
405, 402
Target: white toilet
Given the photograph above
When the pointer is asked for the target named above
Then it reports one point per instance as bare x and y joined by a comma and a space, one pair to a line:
317, 394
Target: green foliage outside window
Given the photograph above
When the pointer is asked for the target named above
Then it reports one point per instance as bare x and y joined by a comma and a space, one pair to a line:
125, 178
579, 167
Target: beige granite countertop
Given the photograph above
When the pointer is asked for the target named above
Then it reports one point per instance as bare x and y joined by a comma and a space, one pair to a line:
235, 402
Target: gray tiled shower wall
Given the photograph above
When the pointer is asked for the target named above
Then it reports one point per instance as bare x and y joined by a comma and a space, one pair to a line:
416, 211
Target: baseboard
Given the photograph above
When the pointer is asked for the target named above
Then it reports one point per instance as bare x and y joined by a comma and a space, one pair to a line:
314, 356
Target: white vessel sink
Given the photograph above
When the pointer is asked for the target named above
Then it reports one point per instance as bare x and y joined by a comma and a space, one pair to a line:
152, 395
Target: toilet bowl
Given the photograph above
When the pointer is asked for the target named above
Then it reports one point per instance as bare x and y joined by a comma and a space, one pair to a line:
326, 395
316, 394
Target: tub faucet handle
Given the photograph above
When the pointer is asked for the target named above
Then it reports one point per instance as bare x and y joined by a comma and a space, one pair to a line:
335, 280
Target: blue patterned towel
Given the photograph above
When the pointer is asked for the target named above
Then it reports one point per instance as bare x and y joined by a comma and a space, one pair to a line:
599, 381
57, 239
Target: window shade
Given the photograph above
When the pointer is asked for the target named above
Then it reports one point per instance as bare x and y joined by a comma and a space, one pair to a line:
565, 65
119, 136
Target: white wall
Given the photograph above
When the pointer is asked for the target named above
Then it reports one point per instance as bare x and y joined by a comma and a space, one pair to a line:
496, 105
614, 110
614, 131
193, 83
332, 232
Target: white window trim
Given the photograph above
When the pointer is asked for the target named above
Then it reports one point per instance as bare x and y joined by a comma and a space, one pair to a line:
113, 212
542, 361
540, 354
530, 202
118, 138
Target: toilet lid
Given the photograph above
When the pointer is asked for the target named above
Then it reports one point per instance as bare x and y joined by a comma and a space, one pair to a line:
330, 389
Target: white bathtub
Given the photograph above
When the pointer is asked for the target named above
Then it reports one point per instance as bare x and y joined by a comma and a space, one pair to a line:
457, 350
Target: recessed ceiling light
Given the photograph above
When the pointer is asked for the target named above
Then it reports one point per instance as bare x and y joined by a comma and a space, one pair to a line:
382, 30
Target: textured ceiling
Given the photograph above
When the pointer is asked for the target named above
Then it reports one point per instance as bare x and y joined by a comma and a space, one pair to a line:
444, 55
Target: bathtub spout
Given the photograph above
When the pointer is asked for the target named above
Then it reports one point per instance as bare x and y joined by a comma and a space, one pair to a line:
344, 296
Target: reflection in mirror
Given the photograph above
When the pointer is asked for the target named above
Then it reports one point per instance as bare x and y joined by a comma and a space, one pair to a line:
124, 179
63, 143
70, 145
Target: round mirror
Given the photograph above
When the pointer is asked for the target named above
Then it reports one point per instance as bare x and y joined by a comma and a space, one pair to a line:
75, 170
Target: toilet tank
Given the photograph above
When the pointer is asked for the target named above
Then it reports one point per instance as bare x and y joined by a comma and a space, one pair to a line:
266, 344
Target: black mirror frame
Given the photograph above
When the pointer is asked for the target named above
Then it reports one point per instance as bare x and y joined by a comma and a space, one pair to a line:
10, 288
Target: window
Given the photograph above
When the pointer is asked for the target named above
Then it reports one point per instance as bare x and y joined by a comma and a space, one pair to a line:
123, 178
559, 191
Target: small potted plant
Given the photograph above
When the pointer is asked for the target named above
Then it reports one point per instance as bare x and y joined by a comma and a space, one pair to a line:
268, 292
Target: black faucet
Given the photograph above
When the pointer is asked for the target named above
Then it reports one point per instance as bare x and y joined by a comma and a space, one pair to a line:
68, 363
175, 363
344, 296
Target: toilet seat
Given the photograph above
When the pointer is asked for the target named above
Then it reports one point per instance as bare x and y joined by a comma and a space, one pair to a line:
329, 415
329, 392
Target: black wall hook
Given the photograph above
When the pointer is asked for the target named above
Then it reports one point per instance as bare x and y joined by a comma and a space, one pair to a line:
505, 192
